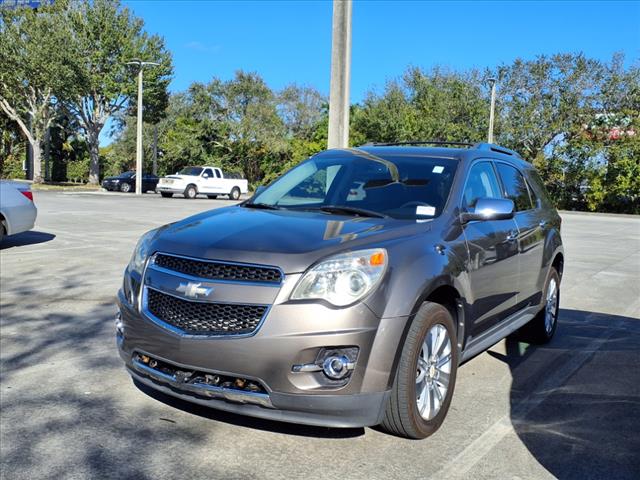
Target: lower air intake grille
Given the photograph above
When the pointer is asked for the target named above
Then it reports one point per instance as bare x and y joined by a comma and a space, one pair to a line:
199, 318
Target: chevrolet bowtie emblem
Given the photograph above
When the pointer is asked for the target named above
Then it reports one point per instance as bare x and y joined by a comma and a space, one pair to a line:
192, 290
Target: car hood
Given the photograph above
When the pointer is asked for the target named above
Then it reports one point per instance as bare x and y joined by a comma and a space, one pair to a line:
287, 239
180, 177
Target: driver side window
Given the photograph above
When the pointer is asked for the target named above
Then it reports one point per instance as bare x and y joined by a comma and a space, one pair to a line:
208, 173
481, 183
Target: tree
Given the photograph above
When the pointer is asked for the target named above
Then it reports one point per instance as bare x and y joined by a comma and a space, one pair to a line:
543, 100
301, 109
425, 105
35, 71
106, 37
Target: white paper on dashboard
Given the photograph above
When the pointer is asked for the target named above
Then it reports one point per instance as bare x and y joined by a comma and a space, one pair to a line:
424, 210
438, 169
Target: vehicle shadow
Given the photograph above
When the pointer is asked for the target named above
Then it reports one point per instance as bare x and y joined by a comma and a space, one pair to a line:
31, 237
250, 422
575, 402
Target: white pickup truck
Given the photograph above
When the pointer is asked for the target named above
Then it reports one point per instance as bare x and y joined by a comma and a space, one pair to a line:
209, 181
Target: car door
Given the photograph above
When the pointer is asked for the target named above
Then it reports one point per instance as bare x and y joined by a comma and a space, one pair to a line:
493, 252
207, 181
221, 184
530, 218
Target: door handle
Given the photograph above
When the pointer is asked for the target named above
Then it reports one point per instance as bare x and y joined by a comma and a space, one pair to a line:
513, 235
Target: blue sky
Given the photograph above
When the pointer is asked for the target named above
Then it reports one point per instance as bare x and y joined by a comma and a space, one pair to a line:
290, 41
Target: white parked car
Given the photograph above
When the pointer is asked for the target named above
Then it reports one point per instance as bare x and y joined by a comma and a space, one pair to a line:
210, 181
17, 210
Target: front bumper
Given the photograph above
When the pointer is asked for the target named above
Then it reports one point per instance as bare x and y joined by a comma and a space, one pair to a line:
170, 188
268, 356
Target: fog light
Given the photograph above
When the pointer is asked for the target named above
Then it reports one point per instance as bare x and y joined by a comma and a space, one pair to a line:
335, 363
336, 367
119, 324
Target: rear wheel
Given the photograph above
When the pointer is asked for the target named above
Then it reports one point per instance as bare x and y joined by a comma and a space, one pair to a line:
190, 192
212, 197
543, 326
235, 193
125, 188
166, 194
426, 375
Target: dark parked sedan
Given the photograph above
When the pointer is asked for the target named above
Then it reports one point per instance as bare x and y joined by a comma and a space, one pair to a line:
126, 182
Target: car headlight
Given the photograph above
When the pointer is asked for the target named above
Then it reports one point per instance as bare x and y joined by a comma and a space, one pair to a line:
141, 252
116, 181
344, 278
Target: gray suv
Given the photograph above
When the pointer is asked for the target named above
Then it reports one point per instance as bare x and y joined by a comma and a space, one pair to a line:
348, 291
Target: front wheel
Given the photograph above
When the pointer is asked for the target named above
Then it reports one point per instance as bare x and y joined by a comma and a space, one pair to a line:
425, 376
125, 188
190, 192
235, 193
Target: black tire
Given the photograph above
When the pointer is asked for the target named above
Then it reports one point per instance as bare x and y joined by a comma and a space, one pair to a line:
166, 194
3, 231
235, 193
402, 416
538, 331
125, 188
212, 197
190, 192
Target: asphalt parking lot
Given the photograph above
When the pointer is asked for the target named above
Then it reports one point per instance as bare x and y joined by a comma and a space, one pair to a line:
570, 409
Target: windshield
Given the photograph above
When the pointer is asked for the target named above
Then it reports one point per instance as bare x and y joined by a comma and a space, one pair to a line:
405, 187
195, 171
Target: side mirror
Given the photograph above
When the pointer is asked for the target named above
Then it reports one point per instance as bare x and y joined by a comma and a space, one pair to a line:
205, 175
490, 209
259, 190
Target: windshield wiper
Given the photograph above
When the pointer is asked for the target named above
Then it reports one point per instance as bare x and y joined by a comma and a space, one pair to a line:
360, 212
261, 206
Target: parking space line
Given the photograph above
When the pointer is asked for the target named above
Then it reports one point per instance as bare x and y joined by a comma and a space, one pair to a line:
462, 463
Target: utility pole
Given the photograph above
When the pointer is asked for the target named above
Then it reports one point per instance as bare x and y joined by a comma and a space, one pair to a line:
155, 149
492, 82
340, 75
141, 66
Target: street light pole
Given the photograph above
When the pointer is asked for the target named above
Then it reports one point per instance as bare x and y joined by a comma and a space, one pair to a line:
340, 75
141, 66
493, 82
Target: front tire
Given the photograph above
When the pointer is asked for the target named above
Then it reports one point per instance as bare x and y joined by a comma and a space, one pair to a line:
425, 376
190, 192
125, 188
543, 326
235, 193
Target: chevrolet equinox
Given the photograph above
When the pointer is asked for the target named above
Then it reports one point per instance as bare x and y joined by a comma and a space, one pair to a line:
348, 291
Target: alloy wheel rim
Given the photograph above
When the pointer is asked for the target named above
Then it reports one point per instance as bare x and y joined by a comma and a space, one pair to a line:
433, 371
551, 306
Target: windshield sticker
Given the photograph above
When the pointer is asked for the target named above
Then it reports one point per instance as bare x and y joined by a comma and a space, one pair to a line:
424, 210
438, 169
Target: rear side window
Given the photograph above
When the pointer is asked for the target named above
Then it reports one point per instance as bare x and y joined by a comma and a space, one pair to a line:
481, 183
515, 187
537, 185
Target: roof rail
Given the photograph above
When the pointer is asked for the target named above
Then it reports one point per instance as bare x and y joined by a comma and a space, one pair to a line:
496, 148
432, 142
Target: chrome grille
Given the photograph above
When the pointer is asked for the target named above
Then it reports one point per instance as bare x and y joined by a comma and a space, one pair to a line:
219, 270
205, 318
